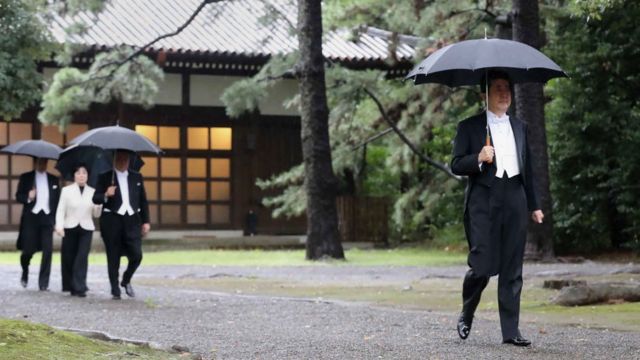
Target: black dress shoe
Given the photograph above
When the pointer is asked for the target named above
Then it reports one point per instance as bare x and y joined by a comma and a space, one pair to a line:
116, 297
24, 279
81, 294
128, 289
517, 341
464, 327
43, 288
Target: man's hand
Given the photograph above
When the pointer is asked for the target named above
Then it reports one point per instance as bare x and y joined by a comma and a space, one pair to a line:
486, 154
32, 194
111, 191
146, 227
537, 216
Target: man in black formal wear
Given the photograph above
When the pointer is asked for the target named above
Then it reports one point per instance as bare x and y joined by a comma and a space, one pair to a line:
499, 195
124, 220
39, 193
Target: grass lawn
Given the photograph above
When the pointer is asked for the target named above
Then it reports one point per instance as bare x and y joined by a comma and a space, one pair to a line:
393, 257
24, 340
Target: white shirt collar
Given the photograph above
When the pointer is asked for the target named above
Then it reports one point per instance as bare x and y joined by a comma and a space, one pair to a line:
495, 119
122, 173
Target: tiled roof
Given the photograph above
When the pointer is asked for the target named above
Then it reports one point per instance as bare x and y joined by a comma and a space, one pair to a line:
232, 27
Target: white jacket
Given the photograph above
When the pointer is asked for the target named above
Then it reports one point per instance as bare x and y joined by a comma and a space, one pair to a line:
75, 208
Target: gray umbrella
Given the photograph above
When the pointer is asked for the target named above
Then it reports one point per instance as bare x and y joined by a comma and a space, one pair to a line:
35, 148
116, 137
466, 62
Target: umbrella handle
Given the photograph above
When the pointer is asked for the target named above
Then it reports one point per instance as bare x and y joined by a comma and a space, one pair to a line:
486, 94
488, 143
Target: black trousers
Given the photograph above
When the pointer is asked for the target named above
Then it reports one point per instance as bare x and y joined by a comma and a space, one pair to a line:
496, 222
122, 235
76, 245
37, 235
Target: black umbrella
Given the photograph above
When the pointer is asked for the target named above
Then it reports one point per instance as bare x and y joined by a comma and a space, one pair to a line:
97, 161
116, 137
35, 148
466, 62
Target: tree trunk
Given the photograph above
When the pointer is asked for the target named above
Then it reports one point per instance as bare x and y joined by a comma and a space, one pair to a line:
530, 108
321, 185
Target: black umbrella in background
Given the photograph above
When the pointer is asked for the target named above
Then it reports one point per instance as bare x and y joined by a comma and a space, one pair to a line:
116, 138
35, 148
97, 160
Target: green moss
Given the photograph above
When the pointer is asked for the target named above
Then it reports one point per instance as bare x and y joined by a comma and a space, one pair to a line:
24, 340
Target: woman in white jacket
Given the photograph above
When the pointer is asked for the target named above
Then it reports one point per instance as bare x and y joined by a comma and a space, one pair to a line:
75, 224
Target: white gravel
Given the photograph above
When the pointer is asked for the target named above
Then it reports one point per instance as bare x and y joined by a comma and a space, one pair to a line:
236, 326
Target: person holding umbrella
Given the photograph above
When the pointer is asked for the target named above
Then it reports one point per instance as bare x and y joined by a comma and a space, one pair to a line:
124, 220
75, 225
492, 150
125, 210
38, 191
499, 194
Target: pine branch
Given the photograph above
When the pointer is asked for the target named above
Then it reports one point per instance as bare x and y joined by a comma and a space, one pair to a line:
404, 138
373, 138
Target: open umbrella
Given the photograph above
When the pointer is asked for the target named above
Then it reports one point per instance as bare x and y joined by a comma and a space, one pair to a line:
467, 62
116, 137
96, 159
35, 148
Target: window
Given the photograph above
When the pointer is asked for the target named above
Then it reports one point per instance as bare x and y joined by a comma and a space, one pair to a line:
190, 184
198, 138
220, 138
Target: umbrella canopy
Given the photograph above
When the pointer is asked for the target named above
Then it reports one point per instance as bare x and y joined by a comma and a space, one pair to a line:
35, 148
97, 160
466, 62
116, 137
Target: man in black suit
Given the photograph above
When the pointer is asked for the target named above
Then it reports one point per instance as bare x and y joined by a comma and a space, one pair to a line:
124, 220
39, 193
500, 193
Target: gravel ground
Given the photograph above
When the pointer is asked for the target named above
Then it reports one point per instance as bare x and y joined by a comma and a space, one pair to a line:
235, 326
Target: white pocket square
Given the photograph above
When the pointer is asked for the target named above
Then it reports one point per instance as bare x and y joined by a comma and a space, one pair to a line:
138, 184
55, 186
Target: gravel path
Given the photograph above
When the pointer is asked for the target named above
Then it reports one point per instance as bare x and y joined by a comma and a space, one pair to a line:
232, 326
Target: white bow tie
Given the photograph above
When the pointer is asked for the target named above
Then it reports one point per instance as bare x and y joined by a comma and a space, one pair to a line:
499, 120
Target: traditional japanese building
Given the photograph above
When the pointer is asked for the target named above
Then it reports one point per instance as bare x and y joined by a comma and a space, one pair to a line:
206, 176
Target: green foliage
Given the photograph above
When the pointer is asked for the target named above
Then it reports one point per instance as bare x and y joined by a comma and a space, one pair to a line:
594, 9
380, 180
108, 78
292, 200
24, 40
64, 96
594, 130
